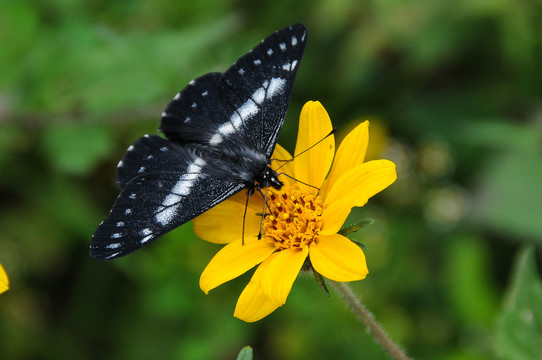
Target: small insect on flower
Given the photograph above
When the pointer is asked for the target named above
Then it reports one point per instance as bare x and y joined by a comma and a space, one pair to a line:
220, 133
304, 216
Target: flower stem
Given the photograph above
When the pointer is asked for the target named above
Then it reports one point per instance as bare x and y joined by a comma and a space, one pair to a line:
368, 319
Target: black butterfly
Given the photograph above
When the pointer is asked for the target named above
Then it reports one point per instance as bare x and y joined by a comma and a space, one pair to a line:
221, 130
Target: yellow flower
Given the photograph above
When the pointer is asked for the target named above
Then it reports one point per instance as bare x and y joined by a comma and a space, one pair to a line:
303, 218
4, 282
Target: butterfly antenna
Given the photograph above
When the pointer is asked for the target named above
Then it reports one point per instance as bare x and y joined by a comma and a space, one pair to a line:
299, 181
307, 149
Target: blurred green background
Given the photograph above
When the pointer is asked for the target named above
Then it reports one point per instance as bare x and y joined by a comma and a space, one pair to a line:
453, 90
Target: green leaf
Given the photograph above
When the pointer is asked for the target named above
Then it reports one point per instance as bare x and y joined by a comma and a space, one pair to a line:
509, 203
519, 331
356, 226
245, 353
320, 281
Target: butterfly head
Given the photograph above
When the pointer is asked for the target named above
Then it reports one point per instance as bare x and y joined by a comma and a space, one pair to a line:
269, 178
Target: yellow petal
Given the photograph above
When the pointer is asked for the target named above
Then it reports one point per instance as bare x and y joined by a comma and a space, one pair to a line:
350, 154
280, 272
334, 217
312, 166
354, 188
286, 167
233, 260
337, 258
4, 281
241, 198
254, 304
224, 223
357, 185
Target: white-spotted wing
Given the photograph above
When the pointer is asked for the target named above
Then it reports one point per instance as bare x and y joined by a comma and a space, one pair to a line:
250, 99
221, 131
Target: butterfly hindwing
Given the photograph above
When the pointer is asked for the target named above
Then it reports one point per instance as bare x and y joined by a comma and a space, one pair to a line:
151, 153
250, 99
195, 112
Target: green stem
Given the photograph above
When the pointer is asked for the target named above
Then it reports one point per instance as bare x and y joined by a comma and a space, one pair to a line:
368, 319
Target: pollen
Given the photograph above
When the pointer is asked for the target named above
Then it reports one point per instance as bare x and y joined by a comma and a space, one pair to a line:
294, 218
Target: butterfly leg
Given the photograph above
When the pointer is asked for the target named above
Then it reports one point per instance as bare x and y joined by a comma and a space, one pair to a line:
249, 192
263, 214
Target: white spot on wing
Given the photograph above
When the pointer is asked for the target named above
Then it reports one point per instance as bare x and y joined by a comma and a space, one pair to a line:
131, 147
257, 62
249, 108
226, 129
276, 85
282, 46
270, 52
165, 214
168, 209
289, 66
199, 161
132, 196
113, 246
164, 114
259, 95
246, 111
147, 233
127, 211
121, 164
241, 71
294, 41
194, 105
188, 118
164, 148
141, 169
116, 236
177, 97
205, 93
145, 239
120, 224
111, 256
192, 82
215, 140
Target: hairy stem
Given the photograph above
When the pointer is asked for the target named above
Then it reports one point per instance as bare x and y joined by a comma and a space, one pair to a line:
368, 319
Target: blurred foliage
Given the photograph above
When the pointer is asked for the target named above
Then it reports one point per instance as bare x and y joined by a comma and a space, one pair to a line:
520, 324
245, 353
454, 94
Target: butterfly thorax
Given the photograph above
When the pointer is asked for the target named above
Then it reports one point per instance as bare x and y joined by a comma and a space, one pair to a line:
242, 164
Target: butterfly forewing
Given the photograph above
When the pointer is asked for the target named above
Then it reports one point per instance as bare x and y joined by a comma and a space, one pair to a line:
221, 130
147, 208
156, 199
249, 99
256, 90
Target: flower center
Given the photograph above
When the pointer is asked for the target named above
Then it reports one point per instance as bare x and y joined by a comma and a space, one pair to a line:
295, 218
